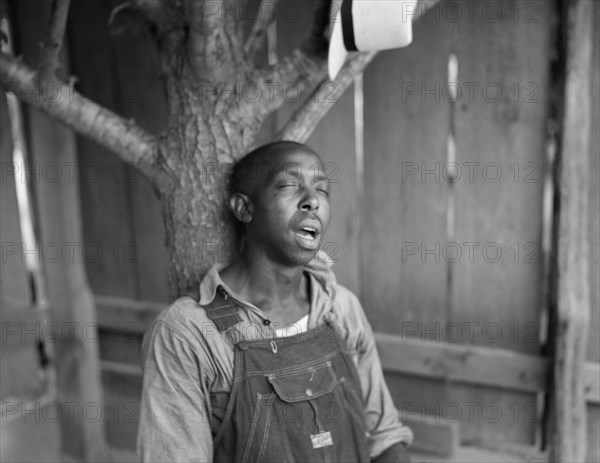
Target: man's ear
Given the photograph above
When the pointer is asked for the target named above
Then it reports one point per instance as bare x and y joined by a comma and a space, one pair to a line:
241, 207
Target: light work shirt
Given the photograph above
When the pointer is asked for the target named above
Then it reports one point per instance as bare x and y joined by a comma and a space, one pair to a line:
185, 359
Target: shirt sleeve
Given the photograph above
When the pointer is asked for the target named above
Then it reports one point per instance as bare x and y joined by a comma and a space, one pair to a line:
381, 416
174, 423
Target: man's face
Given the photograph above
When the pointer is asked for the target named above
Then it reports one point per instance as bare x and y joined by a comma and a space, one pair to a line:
290, 207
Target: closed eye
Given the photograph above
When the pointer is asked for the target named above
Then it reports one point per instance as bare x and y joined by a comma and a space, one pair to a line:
322, 187
287, 185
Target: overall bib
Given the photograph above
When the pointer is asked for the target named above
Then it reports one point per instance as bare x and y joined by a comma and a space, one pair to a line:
293, 399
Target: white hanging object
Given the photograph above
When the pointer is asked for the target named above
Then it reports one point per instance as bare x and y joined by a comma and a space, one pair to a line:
369, 25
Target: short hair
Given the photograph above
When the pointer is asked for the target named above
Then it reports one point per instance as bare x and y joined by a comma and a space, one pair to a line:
249, 169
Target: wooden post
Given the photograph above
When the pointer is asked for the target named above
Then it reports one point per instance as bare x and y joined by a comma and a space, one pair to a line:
568, 412
72, 308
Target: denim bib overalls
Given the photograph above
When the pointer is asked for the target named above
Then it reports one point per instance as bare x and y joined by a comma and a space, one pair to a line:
293, 399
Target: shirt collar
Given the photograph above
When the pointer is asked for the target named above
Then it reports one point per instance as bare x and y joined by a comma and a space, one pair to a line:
319, 268
210, 283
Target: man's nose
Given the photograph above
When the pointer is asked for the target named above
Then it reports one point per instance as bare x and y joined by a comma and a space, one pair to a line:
310, 200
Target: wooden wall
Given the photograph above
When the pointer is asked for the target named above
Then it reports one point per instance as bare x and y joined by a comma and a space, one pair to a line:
19, 352
593, 354
398, 225
443, 255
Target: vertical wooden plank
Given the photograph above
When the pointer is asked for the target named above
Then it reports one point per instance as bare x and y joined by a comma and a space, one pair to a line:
31, 436
572, 314
406, 125
139, 92
593, 352
294, 20
593, 429
106, 206
123, 410
504, 52
502, 129
19, 365
72, 309
333, 139
13, 287
568, 423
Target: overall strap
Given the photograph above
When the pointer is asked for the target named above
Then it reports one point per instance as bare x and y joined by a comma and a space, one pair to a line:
222, 311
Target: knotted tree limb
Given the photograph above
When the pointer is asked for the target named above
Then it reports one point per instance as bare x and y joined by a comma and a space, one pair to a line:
214, 47
306, 118
49, 59
62, 102
304, 68
160, 13
256, 38
298, 70
166, 19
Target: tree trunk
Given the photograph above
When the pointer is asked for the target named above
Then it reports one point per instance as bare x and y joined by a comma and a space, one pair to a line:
204, 139
198, 231
209, 66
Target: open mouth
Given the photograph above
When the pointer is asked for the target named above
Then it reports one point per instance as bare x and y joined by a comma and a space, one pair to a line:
309, 232
309, 236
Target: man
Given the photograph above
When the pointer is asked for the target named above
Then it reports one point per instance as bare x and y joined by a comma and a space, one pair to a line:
275, 361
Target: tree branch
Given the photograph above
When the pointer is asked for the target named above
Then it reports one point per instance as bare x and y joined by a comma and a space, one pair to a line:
305, 119
304, 69
214, 49
60, 101
311, 57
256, 39
49, 59
299, 70
162, 15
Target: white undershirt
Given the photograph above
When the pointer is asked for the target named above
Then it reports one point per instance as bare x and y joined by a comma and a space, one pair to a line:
292, 329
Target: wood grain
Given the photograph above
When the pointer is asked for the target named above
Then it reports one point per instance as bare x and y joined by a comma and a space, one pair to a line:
593, 350
106, 199
140, 96
568, 423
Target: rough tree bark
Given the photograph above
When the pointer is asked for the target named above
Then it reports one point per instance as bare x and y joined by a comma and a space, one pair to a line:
206, 62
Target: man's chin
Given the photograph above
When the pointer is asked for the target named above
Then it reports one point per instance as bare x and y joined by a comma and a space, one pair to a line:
292, 253
307, 242
297, 254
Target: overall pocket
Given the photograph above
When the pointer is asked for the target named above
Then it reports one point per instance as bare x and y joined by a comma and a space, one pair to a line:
303, 398
306, 384
320, 415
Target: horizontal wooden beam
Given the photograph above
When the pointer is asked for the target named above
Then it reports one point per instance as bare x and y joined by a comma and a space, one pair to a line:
126, 315
434, 435
472, 364
469, 363
460, 363
121, 368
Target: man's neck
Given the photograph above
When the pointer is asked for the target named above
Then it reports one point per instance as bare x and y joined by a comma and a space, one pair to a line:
267, 284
